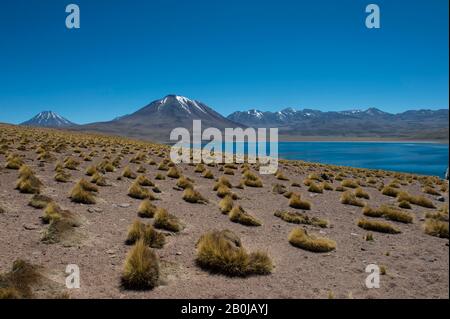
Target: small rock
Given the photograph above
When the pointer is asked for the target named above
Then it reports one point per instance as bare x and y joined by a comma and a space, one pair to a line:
322, 232
30, 227
110, 252
441, 198
422, 219
178, 253
94, 210
354, 234
124, 205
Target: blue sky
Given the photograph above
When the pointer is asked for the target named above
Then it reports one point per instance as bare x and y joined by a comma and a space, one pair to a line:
232, 55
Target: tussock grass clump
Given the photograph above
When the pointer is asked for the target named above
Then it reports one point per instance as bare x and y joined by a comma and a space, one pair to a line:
29, 184
91, 170
173, 172
327, 186
51, 212
437, 228
18, 283
146, 209
88, 186
240, 216
298, 218
279, 189
228, 171
382, 227
184, 182
141, 270
190, 195
128, 173
99, 179
160, 177
164, 220
138, 192
226, 204
360, 193
147, 233
348, 198
39, 201
62, 177
349, 183
416, 200
251, 180
222, 181
222, 252
390, 191
431, 191
208, 174
80, 195
200, 168
404, 204
145, 181
315, 188
296, 202
301, 239
279, 175
223, 191
71, 164
163, 166
388, 212
14, 162
441, 214
340, 189
60, 229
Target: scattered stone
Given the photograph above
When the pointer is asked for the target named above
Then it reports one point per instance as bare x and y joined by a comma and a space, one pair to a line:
94, 210
178, 253
441, 199
110, 252
124, 205
354, 234
30, 226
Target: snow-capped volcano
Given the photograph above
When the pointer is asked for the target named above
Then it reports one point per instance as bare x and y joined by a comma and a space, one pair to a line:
156, 120
48, 119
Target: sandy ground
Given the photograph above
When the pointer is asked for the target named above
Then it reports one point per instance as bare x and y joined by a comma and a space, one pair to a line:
417, 264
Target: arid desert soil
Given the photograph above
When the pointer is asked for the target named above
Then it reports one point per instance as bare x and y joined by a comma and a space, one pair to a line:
417, 264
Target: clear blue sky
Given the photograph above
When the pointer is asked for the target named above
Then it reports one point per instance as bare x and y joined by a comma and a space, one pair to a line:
230, 54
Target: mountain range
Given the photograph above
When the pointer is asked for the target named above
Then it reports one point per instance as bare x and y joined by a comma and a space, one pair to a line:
369, 123
156, 120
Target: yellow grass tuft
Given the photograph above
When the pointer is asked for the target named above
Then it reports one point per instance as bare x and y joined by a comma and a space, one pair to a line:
382, 227
296, 202
301, 239
348, 198
147, 233
146, 209
240, 216
190, 195
437, 228
298, 218
39, 201
164, 220
226, 204
141, 270
222, 252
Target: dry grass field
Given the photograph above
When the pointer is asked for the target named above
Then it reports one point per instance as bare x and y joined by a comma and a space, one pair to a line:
139, 226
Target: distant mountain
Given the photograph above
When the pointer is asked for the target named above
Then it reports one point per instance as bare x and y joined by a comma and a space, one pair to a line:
156, 120
48, 119
370, 123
